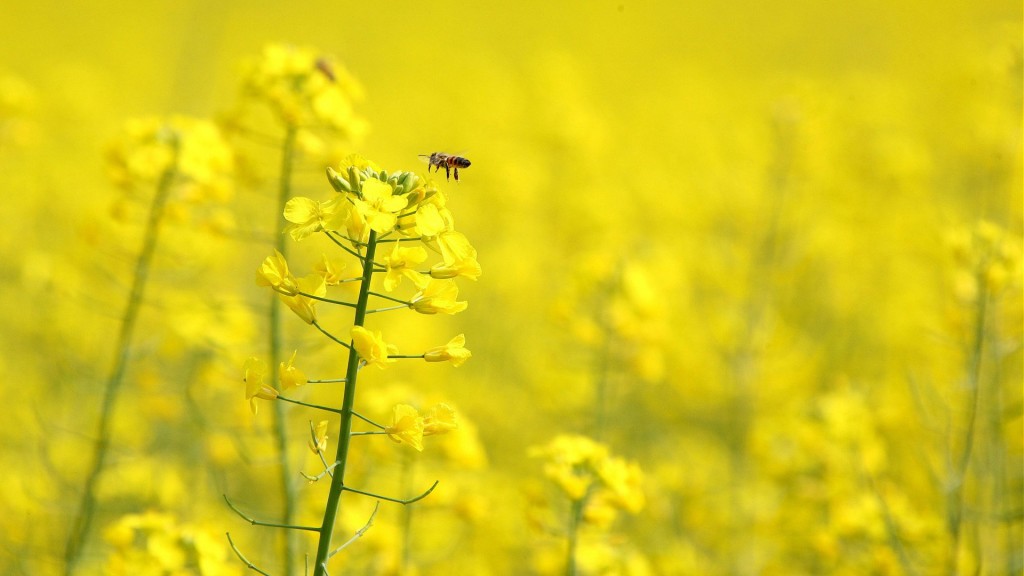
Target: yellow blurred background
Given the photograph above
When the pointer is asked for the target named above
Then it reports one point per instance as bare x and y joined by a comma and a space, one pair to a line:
769, 252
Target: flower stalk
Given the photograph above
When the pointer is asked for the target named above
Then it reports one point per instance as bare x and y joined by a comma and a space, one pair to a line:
347, 412
288, 484
82, 523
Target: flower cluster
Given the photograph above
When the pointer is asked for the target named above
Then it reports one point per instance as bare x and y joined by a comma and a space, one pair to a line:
303, 89
403, 208
157, 543
369, 209
987, 259
194, 148
588, 473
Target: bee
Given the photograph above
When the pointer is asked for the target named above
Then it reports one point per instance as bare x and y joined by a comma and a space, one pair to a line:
324, 66
449, 162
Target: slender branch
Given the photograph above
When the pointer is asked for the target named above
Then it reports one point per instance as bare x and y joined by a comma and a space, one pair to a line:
367, 420
326, 381
255, 522
408, 356
334, 238
347, 406
396, 500
335, 338
369, 433
308, 405
241, 557
276, 335
388, 309
359, 533
392, 298
326, 472
82, 522
328, 300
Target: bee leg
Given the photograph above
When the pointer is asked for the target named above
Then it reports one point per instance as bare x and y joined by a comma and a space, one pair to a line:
456, 174
448, 173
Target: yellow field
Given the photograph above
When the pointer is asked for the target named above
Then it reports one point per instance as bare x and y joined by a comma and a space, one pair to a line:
744, 288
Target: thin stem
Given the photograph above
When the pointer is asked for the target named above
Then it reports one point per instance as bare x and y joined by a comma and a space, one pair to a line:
341, 245
82, 523
347, 407
328, 300
956, 496
359, 533
308, 405
388, 309
392, 298
575, 515
395, 500
367, 420
276, 336
241, 557
255, 522
408, 356
336, 339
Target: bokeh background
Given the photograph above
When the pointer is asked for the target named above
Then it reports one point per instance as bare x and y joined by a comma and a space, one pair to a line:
770, 252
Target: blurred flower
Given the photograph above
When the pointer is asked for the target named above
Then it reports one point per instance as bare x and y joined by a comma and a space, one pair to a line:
371, 347
585, 469
193, 149
454, 351
255, 371
305, 88
439, 420
406, 426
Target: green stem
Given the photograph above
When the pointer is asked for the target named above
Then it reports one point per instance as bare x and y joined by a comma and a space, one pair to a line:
575, 514
87, 507
348, 403
276, 336
956, 502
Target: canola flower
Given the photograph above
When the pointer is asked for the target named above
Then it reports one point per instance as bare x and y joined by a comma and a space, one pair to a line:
186, 161
366, 211
311, 98
596, 483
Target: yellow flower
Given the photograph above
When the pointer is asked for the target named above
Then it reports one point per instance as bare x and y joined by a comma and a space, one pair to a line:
440, 420
305, 88
307, 217
255, 370
379, 207
454, 351
458, 255
289, 375
398, 266
624, 482
372, 348
194, 149
318, 443
438, 296
274, 273
406, 426
469, 268
304, 306
330, 269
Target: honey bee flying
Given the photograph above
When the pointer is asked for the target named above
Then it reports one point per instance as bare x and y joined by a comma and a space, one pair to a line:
449, 162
